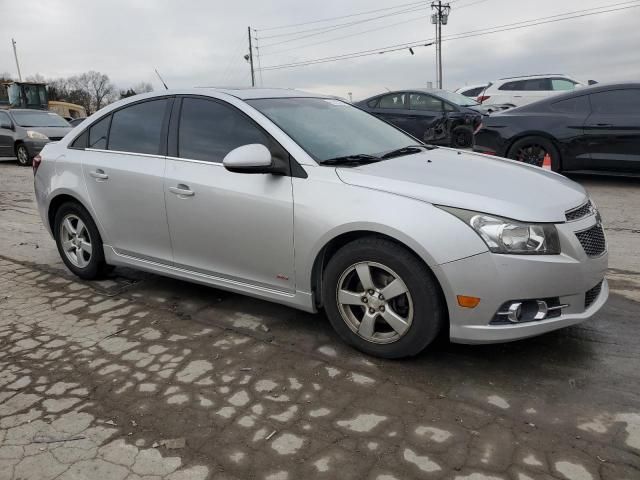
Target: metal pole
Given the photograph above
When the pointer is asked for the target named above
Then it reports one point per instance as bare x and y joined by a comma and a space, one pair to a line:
253, 76
15, 54
440, 44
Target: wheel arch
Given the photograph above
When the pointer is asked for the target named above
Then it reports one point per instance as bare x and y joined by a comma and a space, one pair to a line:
536, 133
334, 244
60, 199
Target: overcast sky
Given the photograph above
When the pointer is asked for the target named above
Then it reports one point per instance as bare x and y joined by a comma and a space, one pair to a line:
202, 42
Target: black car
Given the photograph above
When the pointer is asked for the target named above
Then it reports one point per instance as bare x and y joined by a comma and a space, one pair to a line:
74, 122
433, 116
23, 133
595, 129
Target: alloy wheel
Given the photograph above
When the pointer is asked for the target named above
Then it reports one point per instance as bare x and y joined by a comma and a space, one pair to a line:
374, 302
76, 241
23, 155
533, 154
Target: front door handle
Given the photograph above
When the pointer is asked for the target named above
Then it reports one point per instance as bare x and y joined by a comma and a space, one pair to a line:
99, 174
182, 190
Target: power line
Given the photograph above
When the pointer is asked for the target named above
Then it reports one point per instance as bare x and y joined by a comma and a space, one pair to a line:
341, 16
340, 26
459, 36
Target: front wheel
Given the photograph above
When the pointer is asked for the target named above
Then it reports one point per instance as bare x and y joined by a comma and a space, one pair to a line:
24, 160
381, 299
461, 137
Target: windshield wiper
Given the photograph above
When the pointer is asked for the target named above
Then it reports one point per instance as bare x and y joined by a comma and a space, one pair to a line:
356, 159
408, 150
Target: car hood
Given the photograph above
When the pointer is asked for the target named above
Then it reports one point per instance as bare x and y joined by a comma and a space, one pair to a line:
472, 181
51, 132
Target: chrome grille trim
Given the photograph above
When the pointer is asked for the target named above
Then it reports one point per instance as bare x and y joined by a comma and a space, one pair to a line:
579, 212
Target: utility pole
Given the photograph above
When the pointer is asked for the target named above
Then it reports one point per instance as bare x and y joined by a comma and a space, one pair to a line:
253, 76
441, 17
15, 54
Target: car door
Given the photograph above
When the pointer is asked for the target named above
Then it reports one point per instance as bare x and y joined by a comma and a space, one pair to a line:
6, 136
613, 130
428, 117
394, 108
565, 119
123, 167
234, 226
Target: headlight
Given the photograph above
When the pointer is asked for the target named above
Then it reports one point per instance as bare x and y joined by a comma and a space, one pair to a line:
36, 135
503, 235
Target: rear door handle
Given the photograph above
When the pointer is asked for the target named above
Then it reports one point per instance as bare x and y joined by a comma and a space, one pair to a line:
99, 174
182, 190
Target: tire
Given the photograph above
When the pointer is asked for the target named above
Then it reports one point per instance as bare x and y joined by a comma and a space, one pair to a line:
461, 137
421, 305
24, 159
86, 265
524, 150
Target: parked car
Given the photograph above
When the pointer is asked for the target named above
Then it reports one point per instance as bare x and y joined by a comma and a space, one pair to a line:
23, 133
591, 129
437, 117
472, 91
74, 122
520, 91
395, 240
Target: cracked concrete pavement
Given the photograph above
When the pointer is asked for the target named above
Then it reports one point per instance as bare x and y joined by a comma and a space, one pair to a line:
143, 377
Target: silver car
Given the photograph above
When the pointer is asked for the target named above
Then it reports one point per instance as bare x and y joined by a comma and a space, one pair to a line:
308, 201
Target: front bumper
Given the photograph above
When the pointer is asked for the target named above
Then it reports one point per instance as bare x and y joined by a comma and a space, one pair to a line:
497, 279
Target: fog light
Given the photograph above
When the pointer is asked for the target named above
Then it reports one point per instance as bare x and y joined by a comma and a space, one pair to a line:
468, 302
514, 314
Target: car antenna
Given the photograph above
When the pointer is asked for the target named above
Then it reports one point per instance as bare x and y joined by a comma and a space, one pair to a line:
158, 73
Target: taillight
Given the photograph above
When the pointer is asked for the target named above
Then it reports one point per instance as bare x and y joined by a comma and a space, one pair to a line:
35, 163
483, 98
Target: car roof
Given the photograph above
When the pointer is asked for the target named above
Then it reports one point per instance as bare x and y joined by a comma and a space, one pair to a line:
538, 75
252, 93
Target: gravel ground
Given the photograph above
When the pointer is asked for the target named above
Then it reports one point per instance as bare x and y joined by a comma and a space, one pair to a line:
143, 377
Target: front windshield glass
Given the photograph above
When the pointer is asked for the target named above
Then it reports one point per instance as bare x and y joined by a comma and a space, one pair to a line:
39, 119
458, 99
327, 128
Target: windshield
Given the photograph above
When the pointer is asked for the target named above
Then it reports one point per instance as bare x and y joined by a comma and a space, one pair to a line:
457, 98
328, 129
39, 119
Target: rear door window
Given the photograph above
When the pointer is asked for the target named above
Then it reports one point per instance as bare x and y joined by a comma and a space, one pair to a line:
208, 130
394, 100
138, 128
576, 105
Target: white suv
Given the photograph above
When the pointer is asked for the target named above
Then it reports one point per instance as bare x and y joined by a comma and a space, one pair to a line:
520, 91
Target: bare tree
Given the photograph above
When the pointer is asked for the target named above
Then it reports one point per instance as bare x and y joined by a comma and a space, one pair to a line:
99, 88
37, 78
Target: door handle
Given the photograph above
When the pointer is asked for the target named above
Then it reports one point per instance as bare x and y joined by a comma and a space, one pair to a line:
182, 190
99, 174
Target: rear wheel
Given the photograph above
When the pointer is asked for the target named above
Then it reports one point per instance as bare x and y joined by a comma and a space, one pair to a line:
79, 242
381, 299
534, 151
22, 153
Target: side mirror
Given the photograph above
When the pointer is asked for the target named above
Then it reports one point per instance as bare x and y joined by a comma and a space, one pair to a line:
592, 82
253, 158
6, 126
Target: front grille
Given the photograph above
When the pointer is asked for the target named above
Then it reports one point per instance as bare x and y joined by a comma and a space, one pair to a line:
592, 240
591, 295
578, 213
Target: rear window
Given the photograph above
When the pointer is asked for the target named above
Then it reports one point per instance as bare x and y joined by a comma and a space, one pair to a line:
394, 100
531, 85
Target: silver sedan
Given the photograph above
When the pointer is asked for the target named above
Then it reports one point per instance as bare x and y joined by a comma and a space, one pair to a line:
308, 201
